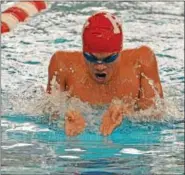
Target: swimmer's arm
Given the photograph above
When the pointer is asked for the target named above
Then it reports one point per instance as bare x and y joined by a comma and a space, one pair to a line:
150, 83
54, 72
54, 75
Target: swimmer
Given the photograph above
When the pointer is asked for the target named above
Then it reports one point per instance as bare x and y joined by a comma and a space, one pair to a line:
105, 73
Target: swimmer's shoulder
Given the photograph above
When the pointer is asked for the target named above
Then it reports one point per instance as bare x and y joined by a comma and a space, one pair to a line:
146, 57
142, 53
67, 57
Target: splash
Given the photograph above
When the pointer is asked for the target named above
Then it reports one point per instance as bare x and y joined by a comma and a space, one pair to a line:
34, 101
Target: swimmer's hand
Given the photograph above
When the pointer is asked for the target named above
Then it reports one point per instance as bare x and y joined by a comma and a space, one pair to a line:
74, 123
111, 119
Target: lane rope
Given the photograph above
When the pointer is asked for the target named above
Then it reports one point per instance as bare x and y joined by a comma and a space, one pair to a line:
19, 12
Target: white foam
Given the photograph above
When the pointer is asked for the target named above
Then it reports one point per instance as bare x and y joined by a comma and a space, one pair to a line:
131, 151
136, 151
27, 127
16, 145
75, 150
69, 157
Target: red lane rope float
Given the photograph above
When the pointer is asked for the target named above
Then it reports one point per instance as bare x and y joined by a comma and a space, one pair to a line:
4, 27
40, 5
19, 13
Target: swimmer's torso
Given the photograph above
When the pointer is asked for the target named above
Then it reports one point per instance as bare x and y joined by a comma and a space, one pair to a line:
124, 84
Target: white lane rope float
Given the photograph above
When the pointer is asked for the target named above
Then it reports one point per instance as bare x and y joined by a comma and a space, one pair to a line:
20, 12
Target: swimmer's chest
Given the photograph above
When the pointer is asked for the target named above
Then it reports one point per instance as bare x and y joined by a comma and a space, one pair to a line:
82, 87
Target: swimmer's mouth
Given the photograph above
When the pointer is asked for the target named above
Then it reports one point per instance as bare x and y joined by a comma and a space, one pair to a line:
100, 75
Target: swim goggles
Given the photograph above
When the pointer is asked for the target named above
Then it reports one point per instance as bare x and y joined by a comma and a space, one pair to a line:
91, 58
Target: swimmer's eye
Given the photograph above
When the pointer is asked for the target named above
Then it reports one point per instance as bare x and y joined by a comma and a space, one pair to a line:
110, 58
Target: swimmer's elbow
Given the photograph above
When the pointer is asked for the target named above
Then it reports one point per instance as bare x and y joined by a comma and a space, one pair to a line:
145, 103
156, 111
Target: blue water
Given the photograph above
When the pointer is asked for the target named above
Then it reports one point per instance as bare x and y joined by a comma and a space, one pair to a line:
134, 148
33, 145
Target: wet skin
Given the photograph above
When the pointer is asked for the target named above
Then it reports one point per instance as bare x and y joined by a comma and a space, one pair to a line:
133, 78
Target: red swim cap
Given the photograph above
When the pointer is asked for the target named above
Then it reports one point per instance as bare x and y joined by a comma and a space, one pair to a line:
102, 33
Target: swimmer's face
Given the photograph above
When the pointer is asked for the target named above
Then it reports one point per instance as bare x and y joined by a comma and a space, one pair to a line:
102, 72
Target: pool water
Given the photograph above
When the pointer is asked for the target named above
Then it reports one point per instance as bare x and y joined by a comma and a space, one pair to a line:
134, 148
32, 144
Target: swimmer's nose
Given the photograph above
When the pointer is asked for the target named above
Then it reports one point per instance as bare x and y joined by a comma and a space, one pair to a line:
100, 67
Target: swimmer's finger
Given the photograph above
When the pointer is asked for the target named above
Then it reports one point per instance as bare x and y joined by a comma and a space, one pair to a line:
110, 130
71, 132
104, 133
77, 132
102, 125
107, 126
68, 132
105, 130
119, 119
102, 129
114, 116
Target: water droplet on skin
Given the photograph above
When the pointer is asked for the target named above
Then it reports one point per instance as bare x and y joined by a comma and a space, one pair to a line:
54, 84
137, 65
71, 69
151, 82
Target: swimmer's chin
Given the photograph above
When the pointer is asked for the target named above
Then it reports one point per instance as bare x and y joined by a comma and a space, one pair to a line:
101, 81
